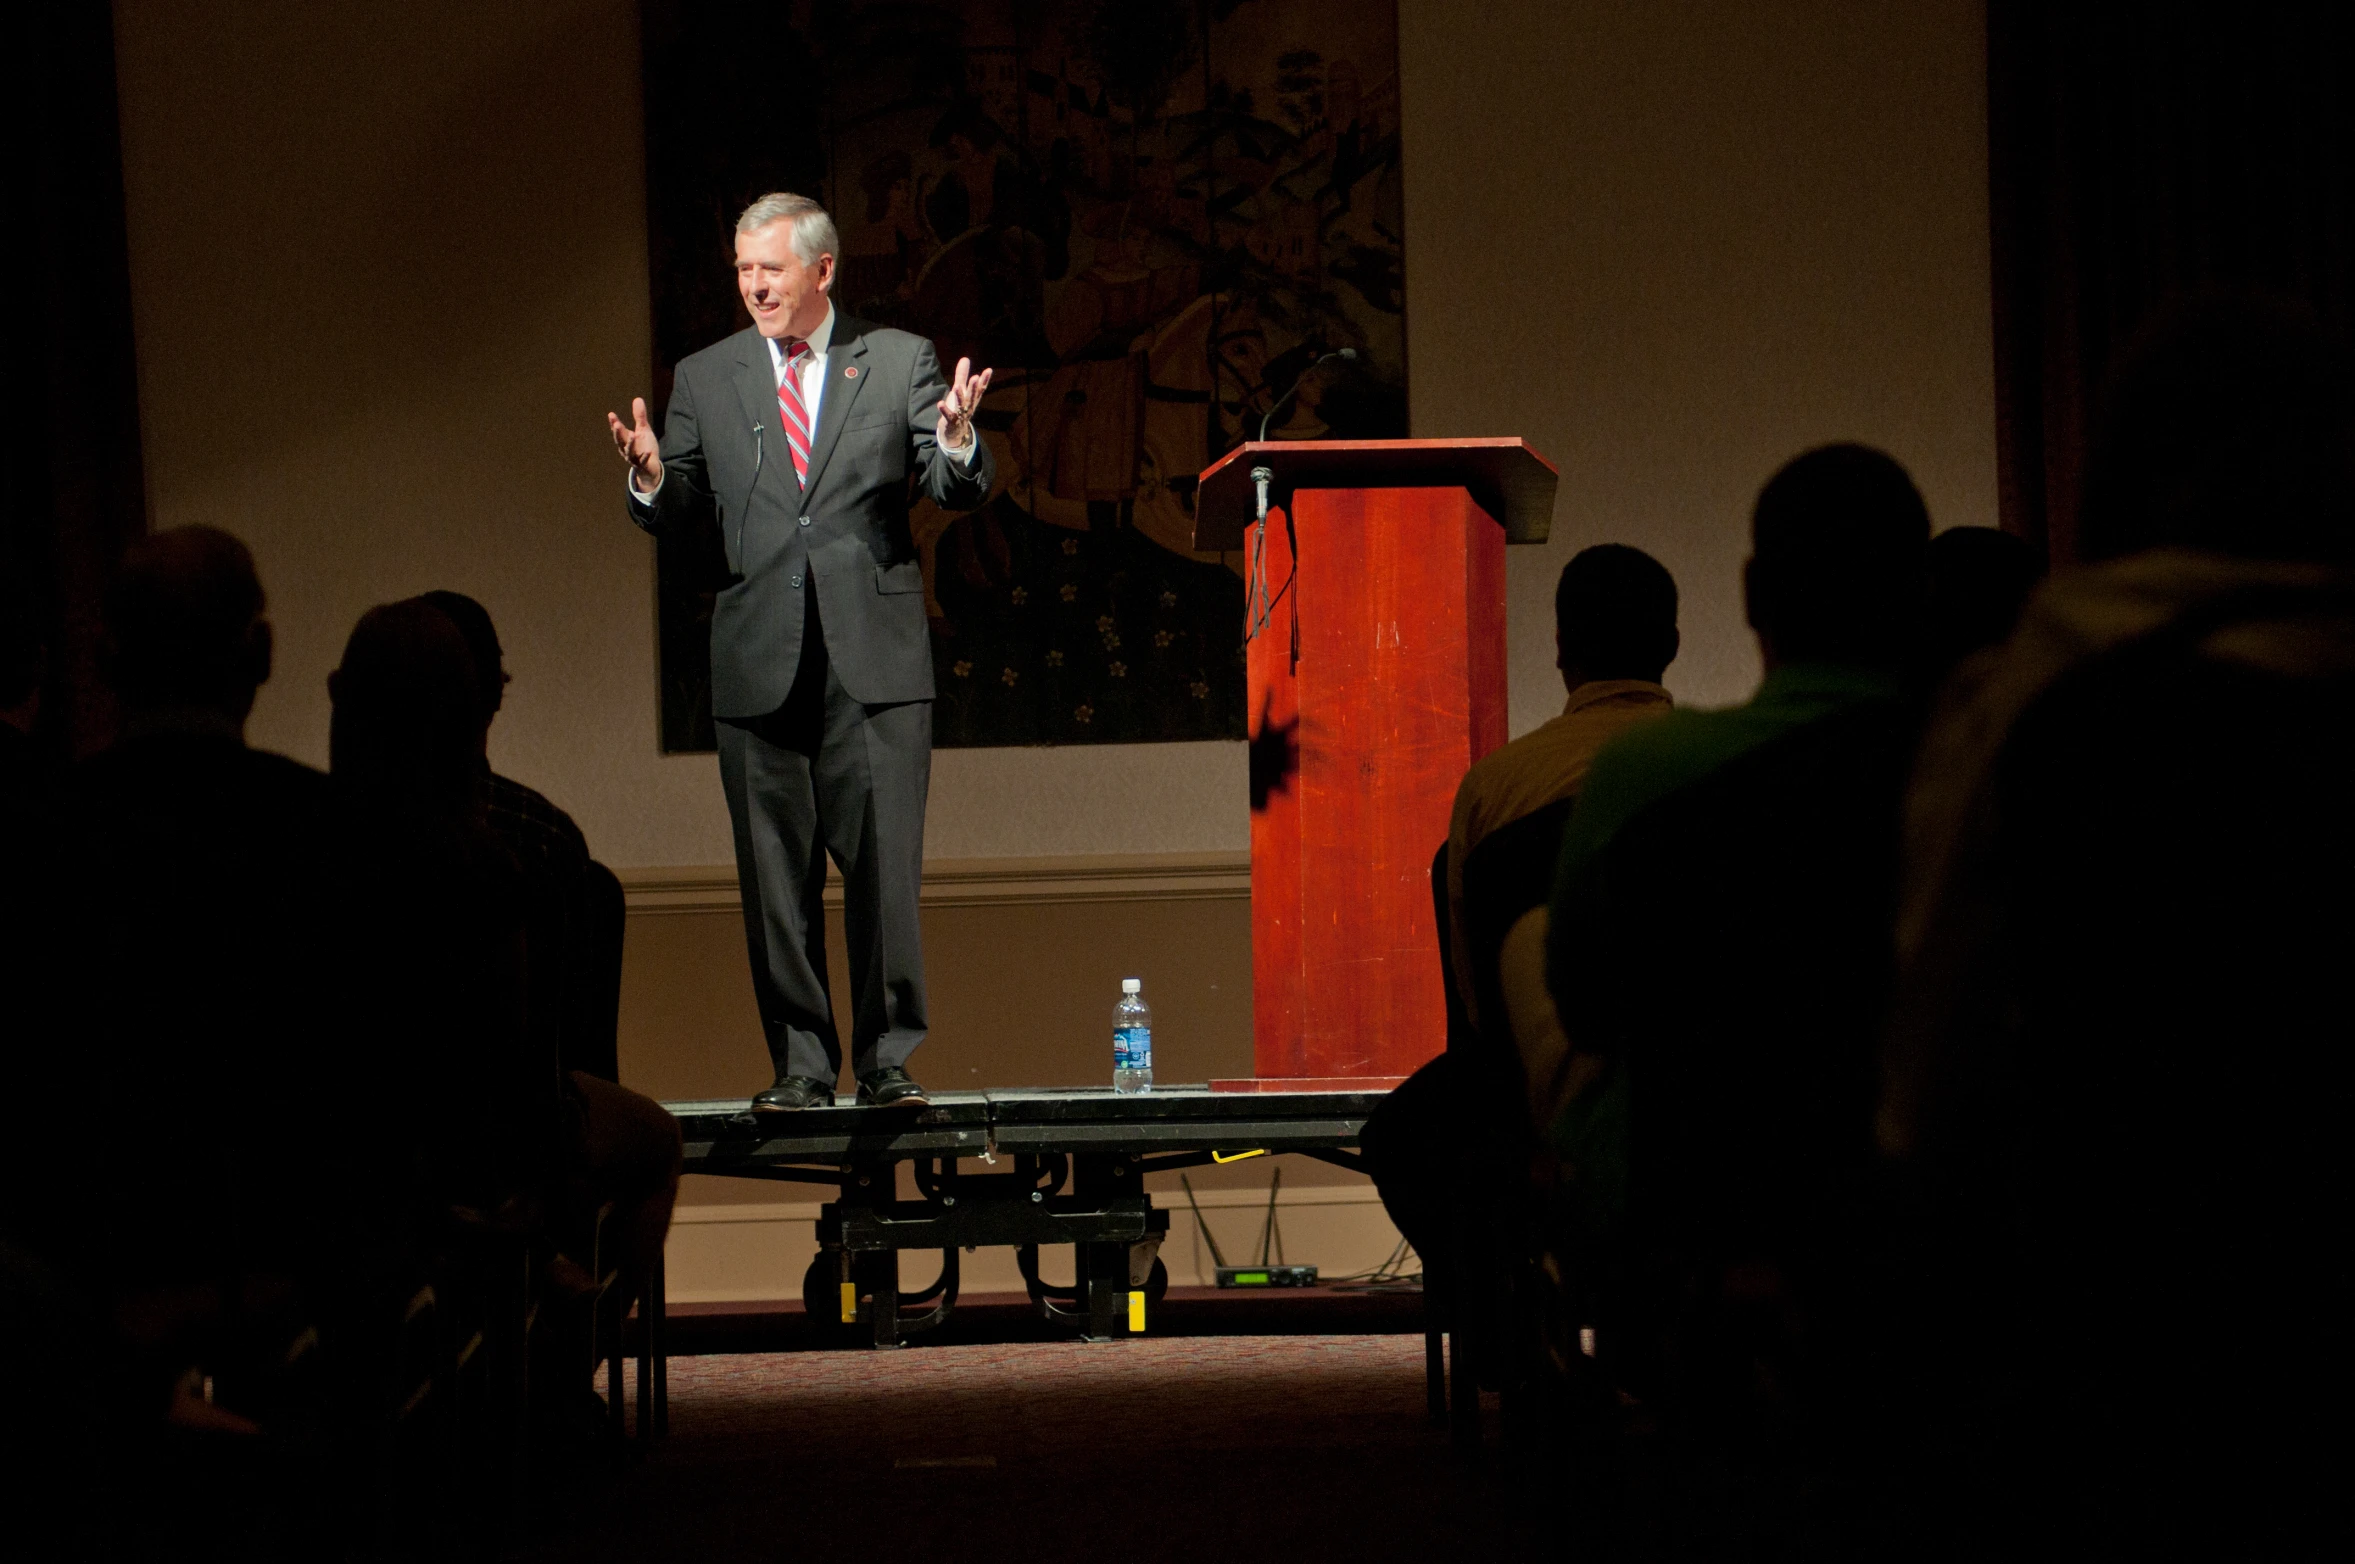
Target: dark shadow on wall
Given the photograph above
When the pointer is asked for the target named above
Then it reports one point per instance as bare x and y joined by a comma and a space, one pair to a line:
2139, 155
77, 494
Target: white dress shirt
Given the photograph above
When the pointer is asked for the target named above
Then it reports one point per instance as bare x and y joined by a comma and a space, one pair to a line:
813, 392
813, 368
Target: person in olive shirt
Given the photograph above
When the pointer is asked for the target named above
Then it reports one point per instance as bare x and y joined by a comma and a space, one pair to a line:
1614, 636
1718, 951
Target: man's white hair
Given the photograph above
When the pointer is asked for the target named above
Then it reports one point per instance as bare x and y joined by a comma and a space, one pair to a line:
813, 230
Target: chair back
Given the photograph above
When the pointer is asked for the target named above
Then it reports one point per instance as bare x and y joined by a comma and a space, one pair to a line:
595, 1044
1509, 875
1459, 1021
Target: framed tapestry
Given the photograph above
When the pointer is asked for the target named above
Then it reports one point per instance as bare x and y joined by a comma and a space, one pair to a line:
1147, 216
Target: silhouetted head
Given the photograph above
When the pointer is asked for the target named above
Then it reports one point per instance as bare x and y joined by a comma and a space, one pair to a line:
1835, 571
184, 627
482, 643
406, 712
1614, 616
1979, 580
2228, 424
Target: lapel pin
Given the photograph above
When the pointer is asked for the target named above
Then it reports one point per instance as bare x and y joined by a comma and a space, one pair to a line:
850, 371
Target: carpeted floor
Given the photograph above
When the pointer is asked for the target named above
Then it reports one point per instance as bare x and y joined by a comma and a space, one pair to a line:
1194, 1449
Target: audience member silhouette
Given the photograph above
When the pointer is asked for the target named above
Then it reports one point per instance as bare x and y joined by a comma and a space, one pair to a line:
622, 1148
1614, 636
202, 1158
447, 924
188, 952
1979, 580
305, 997
1718, 951
572, 898
2117, 1066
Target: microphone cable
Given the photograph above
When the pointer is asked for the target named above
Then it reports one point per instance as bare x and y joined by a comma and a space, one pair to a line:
1259, 605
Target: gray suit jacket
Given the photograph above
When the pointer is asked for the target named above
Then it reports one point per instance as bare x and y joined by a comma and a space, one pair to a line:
724, 459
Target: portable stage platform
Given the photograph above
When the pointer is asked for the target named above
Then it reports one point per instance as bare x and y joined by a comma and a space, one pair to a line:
1055, 1167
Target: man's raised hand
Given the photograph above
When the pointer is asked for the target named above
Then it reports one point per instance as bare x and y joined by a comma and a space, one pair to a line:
638, 446
956, 409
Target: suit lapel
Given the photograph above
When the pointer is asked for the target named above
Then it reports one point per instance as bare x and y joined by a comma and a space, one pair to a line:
846, 377
756, 387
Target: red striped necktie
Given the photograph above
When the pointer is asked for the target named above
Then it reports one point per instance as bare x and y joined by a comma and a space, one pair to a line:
789, 407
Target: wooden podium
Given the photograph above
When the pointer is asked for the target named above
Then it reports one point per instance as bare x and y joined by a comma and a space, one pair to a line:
1397, 608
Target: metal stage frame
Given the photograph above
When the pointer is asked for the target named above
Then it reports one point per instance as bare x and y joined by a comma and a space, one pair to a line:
1062, 1167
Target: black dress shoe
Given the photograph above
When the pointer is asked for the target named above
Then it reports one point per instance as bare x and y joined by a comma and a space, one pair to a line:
891, 1087
793, 1092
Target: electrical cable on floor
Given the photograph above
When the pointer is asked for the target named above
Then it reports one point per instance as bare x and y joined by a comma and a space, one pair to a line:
1390, 1276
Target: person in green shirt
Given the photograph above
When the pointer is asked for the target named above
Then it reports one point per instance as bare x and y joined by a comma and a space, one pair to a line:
1718, 950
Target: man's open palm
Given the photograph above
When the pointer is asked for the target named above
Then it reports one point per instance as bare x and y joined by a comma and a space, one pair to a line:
638, 446
956, 408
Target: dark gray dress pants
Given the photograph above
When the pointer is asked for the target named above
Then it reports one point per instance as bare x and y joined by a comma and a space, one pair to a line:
825, 775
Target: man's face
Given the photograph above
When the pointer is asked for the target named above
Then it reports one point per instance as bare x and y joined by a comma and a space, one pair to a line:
784, 297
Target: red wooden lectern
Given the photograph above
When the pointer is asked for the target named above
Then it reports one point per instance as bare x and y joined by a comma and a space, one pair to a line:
1398, 611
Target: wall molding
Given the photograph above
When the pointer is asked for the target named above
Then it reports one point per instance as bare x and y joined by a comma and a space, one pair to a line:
982, 882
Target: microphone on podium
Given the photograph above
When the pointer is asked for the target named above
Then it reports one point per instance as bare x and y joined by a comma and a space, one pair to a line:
1261, 477
1347, 355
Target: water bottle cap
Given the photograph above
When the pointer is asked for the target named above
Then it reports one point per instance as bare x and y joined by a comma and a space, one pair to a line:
1132, 985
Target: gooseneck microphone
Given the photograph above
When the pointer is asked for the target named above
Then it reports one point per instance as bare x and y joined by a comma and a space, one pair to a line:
1348, 355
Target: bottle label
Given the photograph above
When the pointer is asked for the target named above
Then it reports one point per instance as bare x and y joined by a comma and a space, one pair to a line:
1132, 1048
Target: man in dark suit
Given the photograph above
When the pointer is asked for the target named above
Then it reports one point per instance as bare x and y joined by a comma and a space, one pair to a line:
798, 438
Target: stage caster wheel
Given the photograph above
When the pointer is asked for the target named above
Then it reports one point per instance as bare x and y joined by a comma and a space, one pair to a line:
1156, 1284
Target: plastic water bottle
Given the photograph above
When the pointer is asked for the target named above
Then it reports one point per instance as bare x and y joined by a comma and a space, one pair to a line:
1132, 1040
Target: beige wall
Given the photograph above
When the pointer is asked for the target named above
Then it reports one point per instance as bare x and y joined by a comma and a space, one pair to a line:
1674, 242
389, 271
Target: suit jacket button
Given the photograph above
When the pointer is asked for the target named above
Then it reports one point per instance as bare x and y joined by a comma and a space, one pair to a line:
797, 580
805, 521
